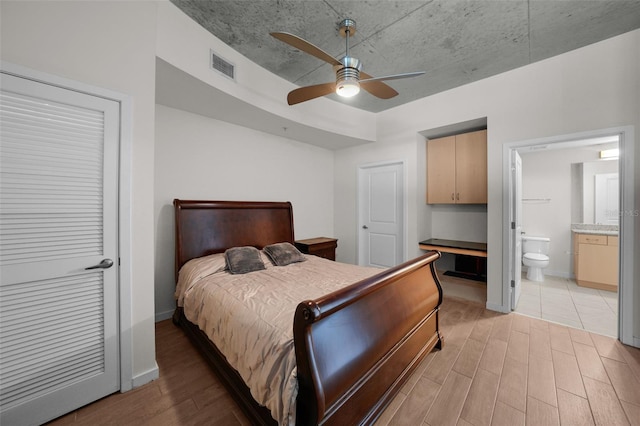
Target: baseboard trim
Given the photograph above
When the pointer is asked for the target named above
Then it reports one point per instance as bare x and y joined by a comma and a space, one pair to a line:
146, 377
161, 316
498, 308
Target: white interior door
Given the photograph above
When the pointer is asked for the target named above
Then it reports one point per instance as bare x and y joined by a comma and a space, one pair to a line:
58, 235
516, 228
381, 217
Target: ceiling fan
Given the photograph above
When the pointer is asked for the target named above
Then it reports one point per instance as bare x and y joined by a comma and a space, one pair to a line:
349, 75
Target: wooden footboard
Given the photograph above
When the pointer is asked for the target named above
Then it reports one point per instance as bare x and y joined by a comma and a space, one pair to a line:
356, 347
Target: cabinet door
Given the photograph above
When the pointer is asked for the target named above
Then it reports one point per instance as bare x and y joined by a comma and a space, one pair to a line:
471, 168
441, 170
598, 264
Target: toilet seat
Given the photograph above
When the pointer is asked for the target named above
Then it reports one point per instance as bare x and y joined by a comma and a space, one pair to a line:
536, 256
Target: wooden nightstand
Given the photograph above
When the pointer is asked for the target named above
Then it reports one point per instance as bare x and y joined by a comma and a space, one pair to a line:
321, 246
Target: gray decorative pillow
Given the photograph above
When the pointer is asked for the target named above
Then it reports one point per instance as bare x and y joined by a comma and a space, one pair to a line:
283, 254
241, 260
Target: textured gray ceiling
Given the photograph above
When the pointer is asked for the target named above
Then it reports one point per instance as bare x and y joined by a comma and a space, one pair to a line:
455, 41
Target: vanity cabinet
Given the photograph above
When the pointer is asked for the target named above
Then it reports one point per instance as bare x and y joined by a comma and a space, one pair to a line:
596, 261
457, 169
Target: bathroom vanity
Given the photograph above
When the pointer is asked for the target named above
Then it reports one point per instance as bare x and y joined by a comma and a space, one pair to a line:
595, 256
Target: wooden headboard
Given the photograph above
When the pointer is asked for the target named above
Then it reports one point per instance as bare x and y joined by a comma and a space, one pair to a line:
208, 227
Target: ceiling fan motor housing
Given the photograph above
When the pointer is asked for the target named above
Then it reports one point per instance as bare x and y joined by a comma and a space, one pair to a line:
350, 67
347, 74
347, 26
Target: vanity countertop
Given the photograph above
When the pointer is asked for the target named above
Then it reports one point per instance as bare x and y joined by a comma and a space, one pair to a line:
588, 228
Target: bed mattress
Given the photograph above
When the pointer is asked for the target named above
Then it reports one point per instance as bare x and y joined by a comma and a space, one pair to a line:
249, 317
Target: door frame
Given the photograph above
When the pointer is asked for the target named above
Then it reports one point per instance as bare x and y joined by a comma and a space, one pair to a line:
404, 182
515, 218
124, 204
626, 225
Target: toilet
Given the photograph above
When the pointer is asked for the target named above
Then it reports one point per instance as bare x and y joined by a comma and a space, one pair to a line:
535, 256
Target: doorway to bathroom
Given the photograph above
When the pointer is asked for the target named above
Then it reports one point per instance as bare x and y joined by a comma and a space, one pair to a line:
569, 191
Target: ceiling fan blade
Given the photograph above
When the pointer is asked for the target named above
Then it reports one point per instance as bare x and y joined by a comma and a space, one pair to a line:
376, 87
305, 46
307, 93
392, 77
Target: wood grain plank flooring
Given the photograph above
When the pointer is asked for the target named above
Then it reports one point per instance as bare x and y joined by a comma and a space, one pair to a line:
496, 369
513, 384
448, 404
504, 415
573, 409
540, 413
469, 358
567, 373
478, 407
605, 405
541, 380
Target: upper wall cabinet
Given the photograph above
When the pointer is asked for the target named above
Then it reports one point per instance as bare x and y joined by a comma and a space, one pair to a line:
457, 169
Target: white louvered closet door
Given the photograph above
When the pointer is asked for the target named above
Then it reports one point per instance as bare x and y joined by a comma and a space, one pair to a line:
58, 216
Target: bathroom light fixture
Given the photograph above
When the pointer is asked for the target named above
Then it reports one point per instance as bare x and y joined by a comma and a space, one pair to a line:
610, 153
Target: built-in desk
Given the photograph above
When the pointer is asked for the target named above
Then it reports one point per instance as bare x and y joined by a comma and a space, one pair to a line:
475, 270
456, 247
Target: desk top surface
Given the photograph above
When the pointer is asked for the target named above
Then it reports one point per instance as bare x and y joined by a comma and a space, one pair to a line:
469, 245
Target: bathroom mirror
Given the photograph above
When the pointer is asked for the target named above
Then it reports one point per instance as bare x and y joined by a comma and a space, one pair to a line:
595, 192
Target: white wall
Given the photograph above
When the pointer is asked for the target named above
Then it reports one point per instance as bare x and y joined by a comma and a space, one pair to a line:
205, 159
347, 162
465, 222
594, 87
109, 45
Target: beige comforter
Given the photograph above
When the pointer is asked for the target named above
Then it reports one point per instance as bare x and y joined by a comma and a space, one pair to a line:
249, 317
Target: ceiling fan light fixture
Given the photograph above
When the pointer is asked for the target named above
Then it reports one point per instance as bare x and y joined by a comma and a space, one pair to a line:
348, 87
348, 78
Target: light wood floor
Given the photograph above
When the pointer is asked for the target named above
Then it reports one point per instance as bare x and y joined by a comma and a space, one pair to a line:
494, 369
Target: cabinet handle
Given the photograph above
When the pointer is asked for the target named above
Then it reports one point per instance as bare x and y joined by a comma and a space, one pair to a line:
452, 198
458, 196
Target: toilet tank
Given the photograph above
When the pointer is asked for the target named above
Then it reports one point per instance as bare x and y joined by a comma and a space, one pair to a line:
535, 244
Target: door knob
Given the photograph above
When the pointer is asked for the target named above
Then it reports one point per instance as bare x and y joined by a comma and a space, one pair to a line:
105, 264
365, 227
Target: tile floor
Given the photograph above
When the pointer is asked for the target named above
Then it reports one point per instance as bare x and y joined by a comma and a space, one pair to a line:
562, 301
559, 300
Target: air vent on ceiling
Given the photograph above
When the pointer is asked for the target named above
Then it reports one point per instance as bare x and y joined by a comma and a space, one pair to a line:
223, 66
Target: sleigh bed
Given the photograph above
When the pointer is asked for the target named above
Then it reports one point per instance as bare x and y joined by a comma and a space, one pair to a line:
353, 347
